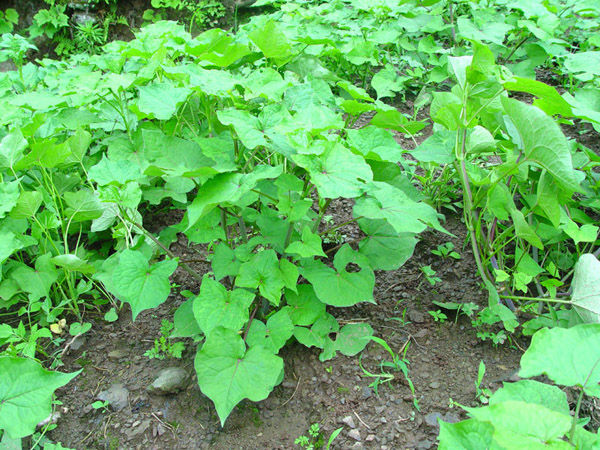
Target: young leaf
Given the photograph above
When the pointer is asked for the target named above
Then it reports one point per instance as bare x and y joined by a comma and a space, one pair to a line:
274, 334
305, 307
26, 390
228, 373
263, 272
140, 284
272, 42
353, 338
339, 287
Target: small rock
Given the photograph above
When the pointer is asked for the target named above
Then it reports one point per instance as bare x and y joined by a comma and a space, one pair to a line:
370, 438
349, 420
169, 381
431, 419
115, 355
379, 409
288, 384
78, 342
116, 395
434, 385
416, 316
354, 434
451, 417
366, 392
357, 445
425, 444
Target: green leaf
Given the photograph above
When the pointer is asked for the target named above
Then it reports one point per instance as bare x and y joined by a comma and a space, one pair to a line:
272, 42
26, 390
73, 262
228, 373
384, 247
82, 205
586, 288
570, 357
375, 143
263, 272
39, 281
140, 284
392, 204
108, 171
9, 195
184, 322
543, 141
309, 246
438, 148
247, 126
353, 338
12, 147
519, 424
215, 307
468, 434
9, 243
534, 392
161, 100
549, 100
274, 334
304, 306
339, 173
339, 287
524, 230
27, 205
387, 82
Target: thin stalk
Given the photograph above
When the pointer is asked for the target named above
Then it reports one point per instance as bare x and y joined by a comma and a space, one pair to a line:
250, 322
321, 214
576, 415
172, 255
224, 224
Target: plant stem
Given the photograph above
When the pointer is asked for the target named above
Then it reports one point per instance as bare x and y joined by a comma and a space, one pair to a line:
172, 255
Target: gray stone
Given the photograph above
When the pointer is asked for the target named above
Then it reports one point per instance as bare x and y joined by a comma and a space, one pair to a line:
169, 381
434, 385
416, 316
349, 420
116, 395
366, 392
78, 342
115, 355
451, 417
354, 434
431, 419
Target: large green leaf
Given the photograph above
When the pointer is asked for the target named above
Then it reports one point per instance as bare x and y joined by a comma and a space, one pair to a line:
26, 390
140, 284
272, 42
340, 287
384, 247
274, 334
264, 272
586, 288
228, 373
469, 434
570, 357
161, 100
215, 306
338, 173
543, 141
392, 204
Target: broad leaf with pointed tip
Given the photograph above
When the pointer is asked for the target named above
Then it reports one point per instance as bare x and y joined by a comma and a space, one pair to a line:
263, 272
161, 100
570, 357
215, 307
140, 284
384, 247
228, 372
543, 141
586, 288
26, 390
310, 245
339, 287
272, 336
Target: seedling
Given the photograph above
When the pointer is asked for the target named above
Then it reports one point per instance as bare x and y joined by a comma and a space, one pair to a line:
482, 394
446, 251
430, 275
164, 348
101, 405
438, 316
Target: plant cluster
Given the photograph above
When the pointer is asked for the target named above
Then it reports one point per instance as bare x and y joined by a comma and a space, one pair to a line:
251, 135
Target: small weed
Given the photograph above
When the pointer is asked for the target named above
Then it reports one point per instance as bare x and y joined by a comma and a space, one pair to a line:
446, 251
163, 347
482, 394
315, 438
103, 406
430, 275
438, 316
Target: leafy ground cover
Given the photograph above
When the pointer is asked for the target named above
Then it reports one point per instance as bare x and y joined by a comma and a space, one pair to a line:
291, 184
